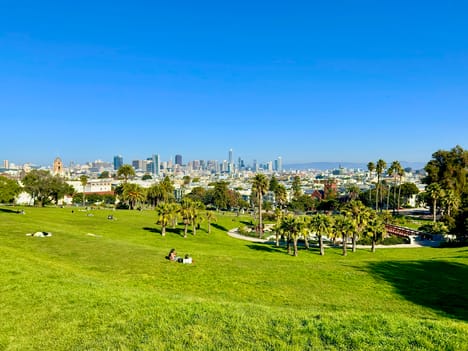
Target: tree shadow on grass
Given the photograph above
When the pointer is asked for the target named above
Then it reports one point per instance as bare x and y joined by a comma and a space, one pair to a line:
177, 231
152, 230
266, 248
220, 227
439, 285
7, 210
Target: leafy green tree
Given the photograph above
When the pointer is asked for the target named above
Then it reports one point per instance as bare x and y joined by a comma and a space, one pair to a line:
198, 194
104, 175
43, 187
371, 168
186, 179
260, 187
449, 169
9, 190
126, 171
84, 182
273, 184
296, 187
406, 190
220, 195
146, 176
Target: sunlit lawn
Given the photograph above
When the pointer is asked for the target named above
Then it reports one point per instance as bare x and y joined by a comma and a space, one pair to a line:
100, 284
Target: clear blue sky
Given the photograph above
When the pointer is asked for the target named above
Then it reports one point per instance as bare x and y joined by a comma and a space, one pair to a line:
306, 80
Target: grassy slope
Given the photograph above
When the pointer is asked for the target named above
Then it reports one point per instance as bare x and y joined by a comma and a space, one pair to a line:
116, 291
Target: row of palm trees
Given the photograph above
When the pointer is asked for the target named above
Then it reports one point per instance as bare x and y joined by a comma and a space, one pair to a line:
190, 212
395, 170
354, 221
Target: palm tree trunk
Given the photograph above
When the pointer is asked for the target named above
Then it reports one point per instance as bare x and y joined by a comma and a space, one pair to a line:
345, 253
322, 249
260, 216
354, 242
295, 245
399, 193
373, 243
163, 230
288, 244
306, 242
434, 210
209, 227
185, 229
377, 194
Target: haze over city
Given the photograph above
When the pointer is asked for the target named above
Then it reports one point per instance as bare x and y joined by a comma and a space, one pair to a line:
337, 81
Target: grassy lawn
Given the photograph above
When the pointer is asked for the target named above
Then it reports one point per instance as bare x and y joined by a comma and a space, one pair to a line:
100, 284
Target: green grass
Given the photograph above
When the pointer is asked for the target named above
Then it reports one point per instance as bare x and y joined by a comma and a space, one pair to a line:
115, 290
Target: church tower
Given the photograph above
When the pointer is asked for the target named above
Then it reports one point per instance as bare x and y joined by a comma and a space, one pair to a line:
58, 166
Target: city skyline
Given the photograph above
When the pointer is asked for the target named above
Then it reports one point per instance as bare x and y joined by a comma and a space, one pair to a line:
337, 82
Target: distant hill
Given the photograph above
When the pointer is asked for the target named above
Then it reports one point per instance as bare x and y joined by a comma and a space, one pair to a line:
335, 165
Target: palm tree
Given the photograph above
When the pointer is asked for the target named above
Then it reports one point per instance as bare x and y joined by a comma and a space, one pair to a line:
321, 225
294, 226
126, 171
84, 182
133, 193
155, 194
163, 216
287, 226
210, 217
260, 187
198, 207
401, 173
435, 192
379, 168
359, 215
451, 201
186, 212
395, 170
280, 195
371, 168
343, 226
278, 217
375, 228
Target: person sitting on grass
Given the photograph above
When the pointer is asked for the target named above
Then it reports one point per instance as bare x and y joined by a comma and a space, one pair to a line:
172, 255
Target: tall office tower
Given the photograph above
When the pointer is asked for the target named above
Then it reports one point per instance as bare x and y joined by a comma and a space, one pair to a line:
255, 166
280, 164
156, 164
6, 164
118, 162
270, 166
138, 164
230, 168
178, 160
230, 155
